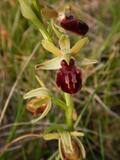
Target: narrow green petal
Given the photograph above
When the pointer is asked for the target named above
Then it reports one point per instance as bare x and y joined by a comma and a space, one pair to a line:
39, 92
52, 64
49, 46
78, 45
87, 61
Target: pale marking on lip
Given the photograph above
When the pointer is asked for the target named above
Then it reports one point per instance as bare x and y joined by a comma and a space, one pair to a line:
74, 80
67, 81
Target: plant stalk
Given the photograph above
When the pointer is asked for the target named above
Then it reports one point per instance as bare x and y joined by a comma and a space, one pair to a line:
69, 110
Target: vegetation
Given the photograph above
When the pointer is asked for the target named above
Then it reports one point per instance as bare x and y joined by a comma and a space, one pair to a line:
98, 102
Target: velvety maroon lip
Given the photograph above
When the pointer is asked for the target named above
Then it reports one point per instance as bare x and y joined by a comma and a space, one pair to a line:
69, 78
74, 25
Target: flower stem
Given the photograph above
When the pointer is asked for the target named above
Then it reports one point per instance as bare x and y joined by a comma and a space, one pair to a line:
69, 110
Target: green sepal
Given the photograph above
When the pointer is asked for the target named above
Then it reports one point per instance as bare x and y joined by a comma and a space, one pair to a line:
52, 64
78, 46
39, 92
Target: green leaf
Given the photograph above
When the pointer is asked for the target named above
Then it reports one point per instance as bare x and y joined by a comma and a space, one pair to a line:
28, 13
36, 8
26, 9
36, 5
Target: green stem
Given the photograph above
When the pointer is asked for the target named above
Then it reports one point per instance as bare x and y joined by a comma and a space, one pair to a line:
69, 110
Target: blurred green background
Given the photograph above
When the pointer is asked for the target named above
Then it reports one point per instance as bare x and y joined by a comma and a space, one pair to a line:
99, 99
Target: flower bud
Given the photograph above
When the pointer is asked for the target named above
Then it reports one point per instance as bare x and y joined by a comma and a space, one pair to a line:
69, 78
77, 153
72, 24
40, 104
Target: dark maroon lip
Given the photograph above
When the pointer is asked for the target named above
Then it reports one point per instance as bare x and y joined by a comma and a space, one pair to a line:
69, 77
74, 25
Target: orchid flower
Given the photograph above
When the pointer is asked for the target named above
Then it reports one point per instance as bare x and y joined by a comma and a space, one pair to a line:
39, 103
70, 146
69, 77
